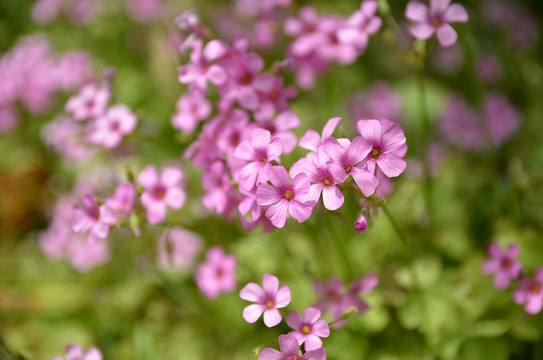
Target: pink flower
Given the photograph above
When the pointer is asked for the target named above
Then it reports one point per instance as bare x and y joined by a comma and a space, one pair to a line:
460, 124
435, 18
308, 328
530, 292
388, 146
284, 197
191, 108
259, 151
110, 128
502, 264
202, 68
290, 350
89, 216
360, 25
123, 199
311, 139
161, 192
361, 224
216, 275
501, 117
280, 126
345, 159
268, 299
75, 352
89, 103
177, 249
317, 168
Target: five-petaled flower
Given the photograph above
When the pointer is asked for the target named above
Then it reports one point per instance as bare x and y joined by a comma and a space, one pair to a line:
268, 299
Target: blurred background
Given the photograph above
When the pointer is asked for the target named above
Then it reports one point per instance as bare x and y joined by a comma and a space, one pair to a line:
132, 309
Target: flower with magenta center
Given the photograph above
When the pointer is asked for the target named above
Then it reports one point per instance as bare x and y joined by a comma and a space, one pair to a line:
503, 264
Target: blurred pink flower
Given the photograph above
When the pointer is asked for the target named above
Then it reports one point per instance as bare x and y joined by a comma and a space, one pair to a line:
177, 249
530, 292
89, 216
191, 108
503, 264
268, 299
216, 275
435, 18
501, 118
122, 200
361, 224
89, 103
75, 352
110, 128
162, 192
360, 25
145, 11
378, 101
308, 328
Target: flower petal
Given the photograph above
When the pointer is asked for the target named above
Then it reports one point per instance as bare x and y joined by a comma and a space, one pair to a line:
270, 284
416, 11
391, 165
282, 297
332, 198
456, 13
252, 292
272, 317
277, 213
294, 320
446, 35
252, 312
422, 30
300, 211
267, 195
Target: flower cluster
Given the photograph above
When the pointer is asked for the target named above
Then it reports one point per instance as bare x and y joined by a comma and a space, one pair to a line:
337, 300
78, 12
75, 352
462, 126
308, 328
506, 268
321, 40
31, 73
91, 123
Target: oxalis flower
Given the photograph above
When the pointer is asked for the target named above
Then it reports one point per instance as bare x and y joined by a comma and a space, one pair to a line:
530, 292
268, 299
290, 350
435, 18
308, 328
503, 264
285, 197
387, 143
75, 352
92, 217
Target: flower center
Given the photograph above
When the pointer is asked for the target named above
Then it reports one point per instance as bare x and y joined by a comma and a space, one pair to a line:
347, 169
159, 192
536, 288
294, 357
375, 153
115, 126
246, 79
264, 161
270, 304
306, 330
288, 195
507, 264
328, 182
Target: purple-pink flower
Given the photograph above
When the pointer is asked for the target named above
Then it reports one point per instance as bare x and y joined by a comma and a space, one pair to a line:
177, 249
435, 18
361, 223
75, 352
388, 146
308, 328
89, 216
284, 197
89, 103
530, 292
110, 128
503, 264
290, 350
348, 160
316, 167
162, 192
267, 299
122, 200
216, 275
260, 151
